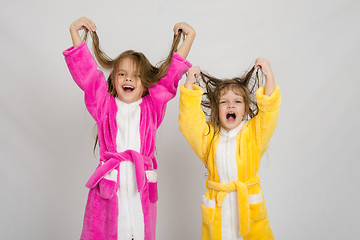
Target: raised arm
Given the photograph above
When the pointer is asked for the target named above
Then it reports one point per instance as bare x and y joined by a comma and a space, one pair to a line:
83, 69
189, 38
268, 100
165, 90
192, 121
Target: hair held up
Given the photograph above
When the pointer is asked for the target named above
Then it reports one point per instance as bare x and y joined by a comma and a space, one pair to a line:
149, 73
214, 88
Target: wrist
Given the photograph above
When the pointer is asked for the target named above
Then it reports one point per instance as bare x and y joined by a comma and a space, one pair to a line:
188, 85
73, 29
191, 34
192, 31
269, 76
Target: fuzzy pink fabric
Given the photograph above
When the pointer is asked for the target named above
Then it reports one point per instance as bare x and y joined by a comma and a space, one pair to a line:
101, 213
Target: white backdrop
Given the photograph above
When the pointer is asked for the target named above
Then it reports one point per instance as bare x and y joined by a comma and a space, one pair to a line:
309, 174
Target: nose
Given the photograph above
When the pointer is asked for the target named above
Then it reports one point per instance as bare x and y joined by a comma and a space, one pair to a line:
230, 105
128, 79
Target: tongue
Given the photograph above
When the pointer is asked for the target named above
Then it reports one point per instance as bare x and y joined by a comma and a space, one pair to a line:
126, 89
230, 117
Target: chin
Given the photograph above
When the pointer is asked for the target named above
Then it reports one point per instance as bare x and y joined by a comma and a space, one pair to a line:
231, 126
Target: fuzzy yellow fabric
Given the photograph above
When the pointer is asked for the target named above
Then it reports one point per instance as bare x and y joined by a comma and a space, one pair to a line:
243, 199
252, 142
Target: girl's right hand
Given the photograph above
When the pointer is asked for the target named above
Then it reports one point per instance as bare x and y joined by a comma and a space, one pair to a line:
264, 65
190, 33
79, 24
82, 23
186, 29
193, 73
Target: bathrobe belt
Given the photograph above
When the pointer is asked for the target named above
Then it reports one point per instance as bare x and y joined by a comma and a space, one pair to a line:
243, 200
113, 159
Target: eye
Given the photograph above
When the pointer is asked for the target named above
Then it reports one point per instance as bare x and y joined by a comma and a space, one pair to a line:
137, 75
222, 102
122, 74
238, 101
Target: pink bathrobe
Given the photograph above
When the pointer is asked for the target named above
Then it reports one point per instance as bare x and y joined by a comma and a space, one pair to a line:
101, 214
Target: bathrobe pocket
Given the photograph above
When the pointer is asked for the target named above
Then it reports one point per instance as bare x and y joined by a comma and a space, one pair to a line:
208, 210
107, 186
152, 185
257, 207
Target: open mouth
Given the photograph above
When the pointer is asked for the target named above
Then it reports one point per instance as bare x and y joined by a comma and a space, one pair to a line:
128, 88
231, 116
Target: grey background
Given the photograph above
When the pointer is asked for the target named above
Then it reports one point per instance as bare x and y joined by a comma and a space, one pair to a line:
309, 174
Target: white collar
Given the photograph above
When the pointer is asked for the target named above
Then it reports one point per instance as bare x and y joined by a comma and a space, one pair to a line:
232, 132
124, 104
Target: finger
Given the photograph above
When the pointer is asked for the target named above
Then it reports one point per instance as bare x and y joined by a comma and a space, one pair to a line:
84, 20
87, 26
92, 25
176, 28
258, 63
258, 66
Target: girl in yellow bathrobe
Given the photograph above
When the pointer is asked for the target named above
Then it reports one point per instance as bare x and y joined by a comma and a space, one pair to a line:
231, 148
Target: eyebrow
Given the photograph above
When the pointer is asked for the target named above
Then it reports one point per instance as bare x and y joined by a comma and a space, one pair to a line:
123, 70
237, 98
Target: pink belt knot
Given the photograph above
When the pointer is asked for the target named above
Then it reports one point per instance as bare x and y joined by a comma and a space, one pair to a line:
113, 159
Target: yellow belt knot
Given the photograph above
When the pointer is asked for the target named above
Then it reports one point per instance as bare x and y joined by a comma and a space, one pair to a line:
243, 198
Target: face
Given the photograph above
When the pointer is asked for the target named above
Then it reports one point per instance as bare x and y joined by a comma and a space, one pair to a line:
231, 109
127, 81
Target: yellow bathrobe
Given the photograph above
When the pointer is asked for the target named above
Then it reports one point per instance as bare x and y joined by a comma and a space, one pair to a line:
251, 143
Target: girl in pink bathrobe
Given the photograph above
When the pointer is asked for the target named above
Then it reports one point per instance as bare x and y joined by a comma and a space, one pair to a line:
128, 108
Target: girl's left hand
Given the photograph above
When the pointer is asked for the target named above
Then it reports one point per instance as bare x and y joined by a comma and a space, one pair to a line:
193, 73
264, 65
186, 28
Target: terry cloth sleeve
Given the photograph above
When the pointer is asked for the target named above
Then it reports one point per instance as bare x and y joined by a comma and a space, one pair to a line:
192, 123
83, 69
166, 88
264, 123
